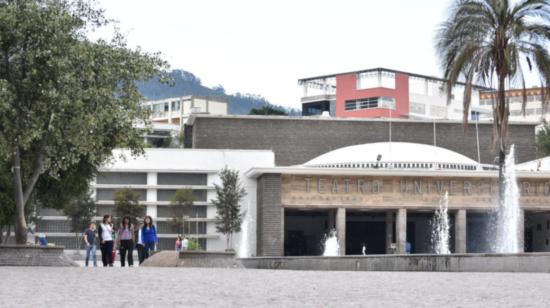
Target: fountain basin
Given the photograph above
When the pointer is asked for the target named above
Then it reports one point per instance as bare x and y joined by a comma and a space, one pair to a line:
469, 262
193, 259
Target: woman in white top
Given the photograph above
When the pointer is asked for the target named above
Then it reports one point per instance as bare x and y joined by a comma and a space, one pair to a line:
139, 242
105, 232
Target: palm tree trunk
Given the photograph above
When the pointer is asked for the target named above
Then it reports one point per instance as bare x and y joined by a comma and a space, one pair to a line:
501, 184
502, 130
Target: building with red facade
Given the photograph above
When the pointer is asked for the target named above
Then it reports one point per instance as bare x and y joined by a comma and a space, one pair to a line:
385, 93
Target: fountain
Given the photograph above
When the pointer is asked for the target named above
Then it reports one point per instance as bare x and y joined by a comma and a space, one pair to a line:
509, 213
440, 227
330, 245
244, 243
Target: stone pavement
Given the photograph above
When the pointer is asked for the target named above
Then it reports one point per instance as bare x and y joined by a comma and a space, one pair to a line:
193, 287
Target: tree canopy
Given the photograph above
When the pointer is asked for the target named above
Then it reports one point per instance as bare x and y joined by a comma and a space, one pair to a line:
228, 197
543, 141
127, 204
181, 205
493, 43
268, 110
64, 98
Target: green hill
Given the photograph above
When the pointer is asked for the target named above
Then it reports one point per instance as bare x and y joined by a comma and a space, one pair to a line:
185, 83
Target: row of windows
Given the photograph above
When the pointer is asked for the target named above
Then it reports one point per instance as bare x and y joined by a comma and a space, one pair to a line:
191, 227
108, 194
194, 212
401, 166
164, 227
370, 103
163, 211
378, 79
513, 100
528, 112
140, 178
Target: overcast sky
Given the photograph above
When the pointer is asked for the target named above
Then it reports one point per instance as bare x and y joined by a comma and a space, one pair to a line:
264, 47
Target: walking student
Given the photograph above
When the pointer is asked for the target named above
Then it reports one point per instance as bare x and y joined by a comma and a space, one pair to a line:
148, 236
105, 233
125, 242
179, 241
89, 238
139, 242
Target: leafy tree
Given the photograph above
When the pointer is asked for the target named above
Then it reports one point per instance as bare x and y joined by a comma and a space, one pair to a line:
193, 244
127, 204
64, 98
181, 204
488, 41
543, 141
267, 110
80, 213
227, 202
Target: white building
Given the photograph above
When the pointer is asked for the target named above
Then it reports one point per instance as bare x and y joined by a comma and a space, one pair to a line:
155, 177
176, 110
534, 110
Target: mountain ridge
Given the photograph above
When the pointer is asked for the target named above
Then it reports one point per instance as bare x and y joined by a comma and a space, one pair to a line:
186, 83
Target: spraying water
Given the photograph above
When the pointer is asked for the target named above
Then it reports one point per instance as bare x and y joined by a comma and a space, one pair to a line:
509, 213
440, 227
331, 246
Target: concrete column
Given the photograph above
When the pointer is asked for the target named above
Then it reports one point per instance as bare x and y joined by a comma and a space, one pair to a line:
341, 229
170, 112
521, 231
152, 195
401, 230
460, 231
389, 230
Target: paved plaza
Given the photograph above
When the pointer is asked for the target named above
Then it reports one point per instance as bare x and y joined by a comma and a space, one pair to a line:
186, 287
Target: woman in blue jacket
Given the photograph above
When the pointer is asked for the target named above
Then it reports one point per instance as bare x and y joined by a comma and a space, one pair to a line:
148, 236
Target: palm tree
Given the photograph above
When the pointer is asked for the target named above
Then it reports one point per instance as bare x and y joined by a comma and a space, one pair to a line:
493, 42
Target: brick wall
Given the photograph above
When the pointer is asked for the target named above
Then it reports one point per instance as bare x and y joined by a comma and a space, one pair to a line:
296, 140
270, 216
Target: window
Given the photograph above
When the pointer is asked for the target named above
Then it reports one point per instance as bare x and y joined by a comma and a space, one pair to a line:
438, 111
370, 103
176, 105
368, 80
417, 85
387, 80
418, 108
377, 79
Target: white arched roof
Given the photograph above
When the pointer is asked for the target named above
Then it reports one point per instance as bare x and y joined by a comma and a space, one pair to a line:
542, 164
401, 155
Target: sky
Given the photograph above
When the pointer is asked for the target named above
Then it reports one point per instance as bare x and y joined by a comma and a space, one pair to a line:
265, 46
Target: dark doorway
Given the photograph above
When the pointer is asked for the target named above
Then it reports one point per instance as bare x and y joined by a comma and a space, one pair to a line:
304, 232
367, 228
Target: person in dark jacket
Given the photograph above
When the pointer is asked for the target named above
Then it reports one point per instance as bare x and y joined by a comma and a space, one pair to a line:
148, 236
105, 232
125, 240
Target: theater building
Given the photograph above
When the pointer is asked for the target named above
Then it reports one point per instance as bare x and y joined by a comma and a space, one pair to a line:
384, 195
